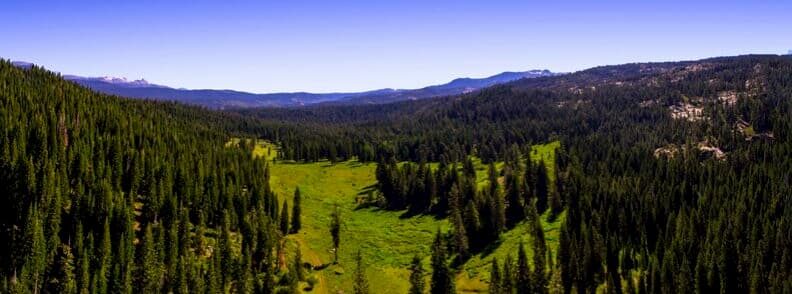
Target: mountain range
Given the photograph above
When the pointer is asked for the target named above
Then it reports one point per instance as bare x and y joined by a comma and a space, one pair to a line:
225, 99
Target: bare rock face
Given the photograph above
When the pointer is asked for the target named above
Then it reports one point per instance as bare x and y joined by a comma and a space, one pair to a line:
706, 150
703, 149
687, 111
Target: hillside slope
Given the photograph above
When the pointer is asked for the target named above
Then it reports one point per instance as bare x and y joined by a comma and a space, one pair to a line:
102, 194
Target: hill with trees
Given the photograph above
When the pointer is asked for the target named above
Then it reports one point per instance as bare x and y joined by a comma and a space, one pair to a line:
665, 178
675, 175
102, 194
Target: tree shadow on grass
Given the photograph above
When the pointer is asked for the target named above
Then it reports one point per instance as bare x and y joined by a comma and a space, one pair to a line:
490, 248
409, 213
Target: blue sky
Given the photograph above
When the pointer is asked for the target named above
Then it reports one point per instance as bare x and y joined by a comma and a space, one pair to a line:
321, 46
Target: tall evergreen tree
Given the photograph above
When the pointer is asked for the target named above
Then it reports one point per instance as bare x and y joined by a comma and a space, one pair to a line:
460, 235
296, 223
284, 218
335, 231
442, 276
507, 280
417, 283
515, 210
495, 278
541, 188
539, 277
524, 282
297, 265
61, 278
149, 267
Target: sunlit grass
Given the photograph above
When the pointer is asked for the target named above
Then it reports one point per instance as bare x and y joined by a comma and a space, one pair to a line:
386, 238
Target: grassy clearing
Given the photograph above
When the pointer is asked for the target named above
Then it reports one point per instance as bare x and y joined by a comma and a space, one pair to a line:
261, 148
475, 275
387, 240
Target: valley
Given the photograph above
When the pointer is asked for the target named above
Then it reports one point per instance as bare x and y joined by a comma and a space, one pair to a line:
388, 239
653, 177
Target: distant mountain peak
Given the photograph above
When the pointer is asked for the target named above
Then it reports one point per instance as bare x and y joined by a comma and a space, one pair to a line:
22, 64
117, 81
122, 80
221, 99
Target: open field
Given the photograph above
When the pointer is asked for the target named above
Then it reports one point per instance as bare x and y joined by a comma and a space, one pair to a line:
386, 239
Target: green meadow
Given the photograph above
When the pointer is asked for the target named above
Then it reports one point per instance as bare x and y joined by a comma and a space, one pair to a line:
386, 239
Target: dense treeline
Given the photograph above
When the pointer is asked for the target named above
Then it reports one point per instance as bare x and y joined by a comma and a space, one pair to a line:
478, 216
101, 194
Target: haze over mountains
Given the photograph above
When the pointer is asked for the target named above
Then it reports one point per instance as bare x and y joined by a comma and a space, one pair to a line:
224, 99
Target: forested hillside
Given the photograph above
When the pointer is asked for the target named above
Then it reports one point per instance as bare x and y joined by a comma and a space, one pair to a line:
677, 177
100, 194
665, 177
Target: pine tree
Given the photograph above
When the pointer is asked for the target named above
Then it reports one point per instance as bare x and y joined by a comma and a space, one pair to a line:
149, 266
335, 231
524, 282
361, 283
539, 278
442, 277
515, 210
492, 176
472, 224
417, 283
34, 268
468, 168
61, 278
284, 220
556, 202
296, 223
541, 187
297, 266
495, 278
529, 179
460, 235
507, 280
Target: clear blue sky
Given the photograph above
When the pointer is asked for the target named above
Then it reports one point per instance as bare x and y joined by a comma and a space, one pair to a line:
266, 46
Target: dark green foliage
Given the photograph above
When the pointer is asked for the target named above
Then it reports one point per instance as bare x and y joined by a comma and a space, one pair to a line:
495, 278
72, 161
417, 282
335, 231
296, 222
508, 278
539, 276
541, 187
442, 274
523, 281
460, 235
284, 218
149, 269
102, 194
297, 265
62, 272
515, 210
